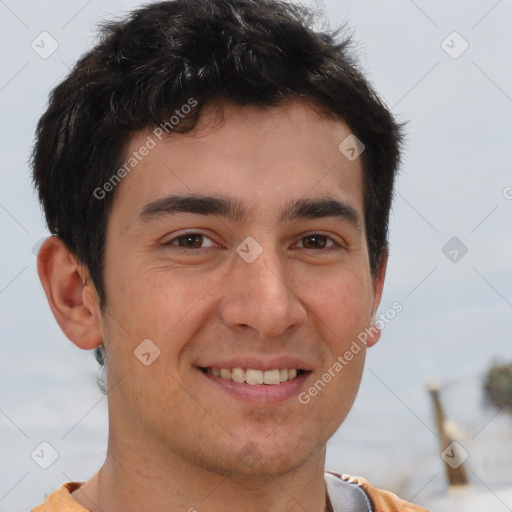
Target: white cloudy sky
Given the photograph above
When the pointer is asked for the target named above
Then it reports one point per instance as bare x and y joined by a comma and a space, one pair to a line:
453, 183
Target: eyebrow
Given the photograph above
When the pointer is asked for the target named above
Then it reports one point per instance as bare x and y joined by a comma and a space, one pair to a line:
199, 204
319, 208
235, 210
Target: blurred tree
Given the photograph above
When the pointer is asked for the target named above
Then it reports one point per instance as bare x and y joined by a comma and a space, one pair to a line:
456, 474
498, 386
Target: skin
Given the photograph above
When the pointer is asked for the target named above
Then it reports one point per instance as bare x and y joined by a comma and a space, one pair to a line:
174, 437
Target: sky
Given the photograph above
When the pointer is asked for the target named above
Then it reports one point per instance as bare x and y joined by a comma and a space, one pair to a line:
444, 70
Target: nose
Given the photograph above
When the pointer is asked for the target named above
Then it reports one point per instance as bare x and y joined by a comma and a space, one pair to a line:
262, 296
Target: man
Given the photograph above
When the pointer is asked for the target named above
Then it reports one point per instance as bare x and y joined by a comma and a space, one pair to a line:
217, 178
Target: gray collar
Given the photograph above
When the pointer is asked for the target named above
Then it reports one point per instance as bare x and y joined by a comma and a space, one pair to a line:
346, 497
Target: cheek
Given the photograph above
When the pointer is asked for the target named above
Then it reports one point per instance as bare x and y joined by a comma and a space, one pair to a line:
148, 303
163, 305
342, 305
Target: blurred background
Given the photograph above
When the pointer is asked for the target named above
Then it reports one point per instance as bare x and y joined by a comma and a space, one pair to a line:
442, 67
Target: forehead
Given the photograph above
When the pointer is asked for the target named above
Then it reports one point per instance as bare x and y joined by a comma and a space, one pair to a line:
262, 156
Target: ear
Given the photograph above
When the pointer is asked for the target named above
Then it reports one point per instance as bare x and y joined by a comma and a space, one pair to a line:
71, 295
378, 287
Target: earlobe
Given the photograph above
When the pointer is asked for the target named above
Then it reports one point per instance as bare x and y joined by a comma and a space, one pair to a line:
70, 295
378, 286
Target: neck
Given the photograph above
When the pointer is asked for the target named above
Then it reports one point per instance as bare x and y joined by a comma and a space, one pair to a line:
138, 476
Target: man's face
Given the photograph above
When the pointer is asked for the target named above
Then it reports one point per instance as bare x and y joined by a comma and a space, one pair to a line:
292, 296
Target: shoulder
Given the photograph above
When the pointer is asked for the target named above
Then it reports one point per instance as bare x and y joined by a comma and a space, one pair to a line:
61, 500
380, 501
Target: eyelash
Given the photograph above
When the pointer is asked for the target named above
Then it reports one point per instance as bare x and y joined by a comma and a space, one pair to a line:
183, 235
333, 242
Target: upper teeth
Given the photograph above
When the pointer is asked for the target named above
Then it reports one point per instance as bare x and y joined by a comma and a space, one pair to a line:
253, 376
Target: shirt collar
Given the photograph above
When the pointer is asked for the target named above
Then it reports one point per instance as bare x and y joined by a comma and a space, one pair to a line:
345, 496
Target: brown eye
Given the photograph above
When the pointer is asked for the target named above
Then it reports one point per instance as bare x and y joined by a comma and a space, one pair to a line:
191, 241
316, 241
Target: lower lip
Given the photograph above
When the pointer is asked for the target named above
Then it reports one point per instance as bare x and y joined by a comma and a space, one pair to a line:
260, 393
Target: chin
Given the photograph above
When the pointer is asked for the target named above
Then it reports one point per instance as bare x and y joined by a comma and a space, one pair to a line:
252, 462
266, 461
266, 468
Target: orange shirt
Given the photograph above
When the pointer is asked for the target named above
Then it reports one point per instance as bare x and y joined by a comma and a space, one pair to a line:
378, 500
346, 494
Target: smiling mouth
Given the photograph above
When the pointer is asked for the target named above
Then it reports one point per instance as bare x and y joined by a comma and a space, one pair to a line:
253, 376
